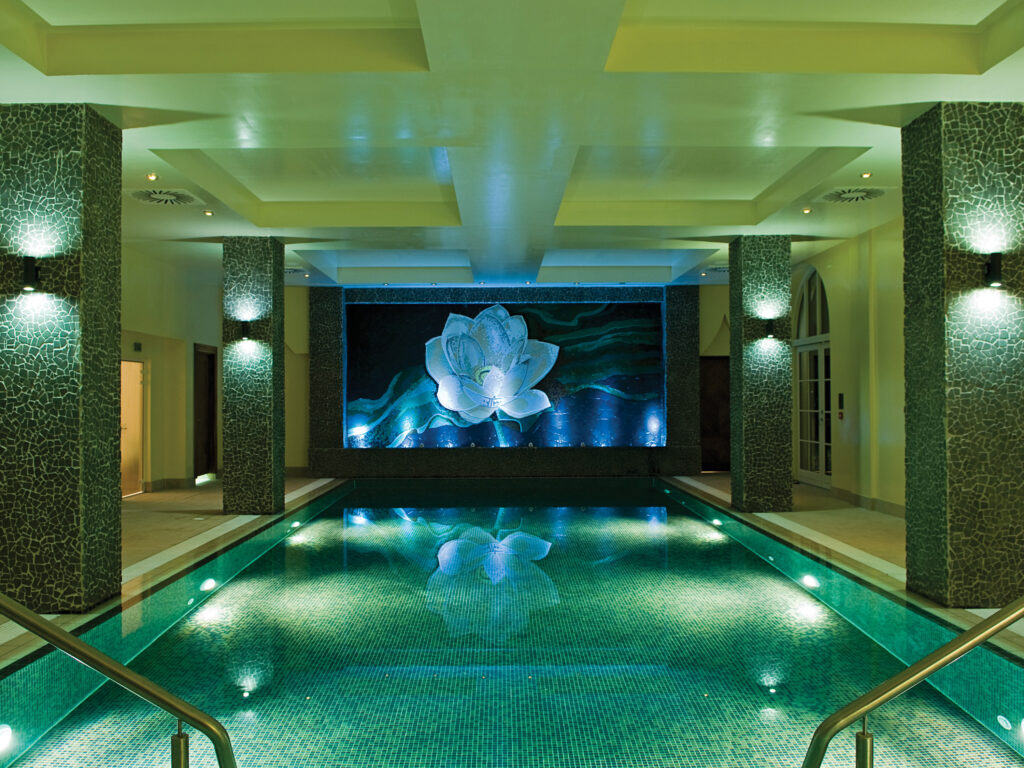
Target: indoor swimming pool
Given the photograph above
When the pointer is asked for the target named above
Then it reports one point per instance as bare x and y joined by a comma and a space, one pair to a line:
628, 628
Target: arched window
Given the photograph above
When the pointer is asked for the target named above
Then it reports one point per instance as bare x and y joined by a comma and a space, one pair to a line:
813, 366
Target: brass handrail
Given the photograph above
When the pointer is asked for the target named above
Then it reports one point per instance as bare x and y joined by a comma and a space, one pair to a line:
908, 678
123, 676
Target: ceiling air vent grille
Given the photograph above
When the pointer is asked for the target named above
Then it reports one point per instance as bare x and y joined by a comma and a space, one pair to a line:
165, 197
852, 195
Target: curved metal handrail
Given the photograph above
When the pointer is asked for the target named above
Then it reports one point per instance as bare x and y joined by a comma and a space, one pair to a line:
123, 676
908, 678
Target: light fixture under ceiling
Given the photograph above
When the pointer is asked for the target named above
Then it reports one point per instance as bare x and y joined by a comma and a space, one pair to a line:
165, 197
852, 195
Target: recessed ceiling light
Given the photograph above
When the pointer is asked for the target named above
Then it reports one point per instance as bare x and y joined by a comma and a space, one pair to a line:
306, 275
527, 282
387, 283
152, 176
866, 175
807, 210
703, 274
481, 282
207, 212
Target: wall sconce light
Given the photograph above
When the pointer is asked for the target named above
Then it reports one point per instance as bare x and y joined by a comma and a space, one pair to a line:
769, 328
30, 278
994, 271
245, 327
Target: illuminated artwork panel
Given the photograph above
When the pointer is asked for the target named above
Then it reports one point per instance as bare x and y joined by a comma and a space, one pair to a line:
504, 375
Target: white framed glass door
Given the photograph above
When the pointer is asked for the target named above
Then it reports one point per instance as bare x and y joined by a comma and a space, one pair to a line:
814, 413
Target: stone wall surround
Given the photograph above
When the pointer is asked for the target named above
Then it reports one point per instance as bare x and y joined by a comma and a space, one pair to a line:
60, 482
681, 455
326, 374
963, 198
253, 376
760, 374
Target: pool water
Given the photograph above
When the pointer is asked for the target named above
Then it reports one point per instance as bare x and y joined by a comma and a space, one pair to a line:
532, 635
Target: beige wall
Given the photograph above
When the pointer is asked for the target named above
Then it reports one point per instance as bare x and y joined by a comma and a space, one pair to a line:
167, 308
714, 320
863, 278
864, 281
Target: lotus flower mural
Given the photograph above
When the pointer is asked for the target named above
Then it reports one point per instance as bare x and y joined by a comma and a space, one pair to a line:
487, 365
486, 587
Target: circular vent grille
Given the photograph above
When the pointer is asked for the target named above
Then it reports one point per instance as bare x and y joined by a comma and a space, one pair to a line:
164, 197
852, 195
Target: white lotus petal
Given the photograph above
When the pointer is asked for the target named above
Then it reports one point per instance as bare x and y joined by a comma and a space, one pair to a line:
541, 357
437, 363
526, 404
489, 333
474, 391
495, 311
457, 325
515, 327
451, 395
492, 383
513, 382
478, 414
463, 354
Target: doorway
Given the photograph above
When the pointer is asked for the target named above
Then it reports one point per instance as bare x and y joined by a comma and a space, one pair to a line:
204, 441
813, 365
132, 415
714, 414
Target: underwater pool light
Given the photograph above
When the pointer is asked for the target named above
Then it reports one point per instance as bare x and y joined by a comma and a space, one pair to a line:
296, 524
1004, 722
809, 581
716, 521
6, 737
207, 585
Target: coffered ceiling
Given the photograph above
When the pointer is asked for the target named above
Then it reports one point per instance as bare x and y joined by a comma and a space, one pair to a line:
449, 141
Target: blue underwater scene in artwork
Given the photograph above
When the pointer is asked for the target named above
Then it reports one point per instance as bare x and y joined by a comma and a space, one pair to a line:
504, 375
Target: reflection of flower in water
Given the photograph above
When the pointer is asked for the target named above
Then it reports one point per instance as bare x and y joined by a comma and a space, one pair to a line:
486, 364
487, 587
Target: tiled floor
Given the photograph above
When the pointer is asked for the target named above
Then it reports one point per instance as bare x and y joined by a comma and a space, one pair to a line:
164, 532
867, 543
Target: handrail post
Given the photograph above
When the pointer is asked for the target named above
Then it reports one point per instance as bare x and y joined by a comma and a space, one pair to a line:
908, 678
865, 755
128, 679
179, 749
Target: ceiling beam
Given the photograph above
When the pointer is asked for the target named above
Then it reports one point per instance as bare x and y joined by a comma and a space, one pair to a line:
796, 47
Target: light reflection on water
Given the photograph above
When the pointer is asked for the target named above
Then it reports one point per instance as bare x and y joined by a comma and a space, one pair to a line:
512, 636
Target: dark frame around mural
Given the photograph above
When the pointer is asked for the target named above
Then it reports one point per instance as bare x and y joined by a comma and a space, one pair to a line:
679, 455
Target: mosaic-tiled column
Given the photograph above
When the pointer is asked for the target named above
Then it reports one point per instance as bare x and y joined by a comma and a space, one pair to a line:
963, 199
253, 375
60, 482
326, 376
760, 374
682, 362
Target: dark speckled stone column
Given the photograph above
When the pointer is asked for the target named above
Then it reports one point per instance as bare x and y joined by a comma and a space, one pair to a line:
760, 374
682, 379
253, 398
60, 482
963, 198
326, 377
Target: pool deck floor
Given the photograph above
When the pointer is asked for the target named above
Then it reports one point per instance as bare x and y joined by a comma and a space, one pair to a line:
163, 534
168, 531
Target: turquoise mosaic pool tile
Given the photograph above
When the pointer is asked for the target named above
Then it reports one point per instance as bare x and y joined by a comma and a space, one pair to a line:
381, 637
985, 684
56, 684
